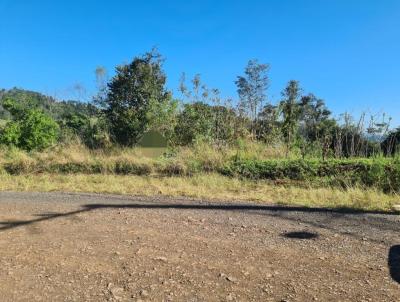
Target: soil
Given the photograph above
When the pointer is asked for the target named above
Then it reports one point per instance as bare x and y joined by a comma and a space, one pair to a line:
88, 247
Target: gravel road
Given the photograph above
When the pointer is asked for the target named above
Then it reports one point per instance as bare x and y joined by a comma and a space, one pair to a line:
88, 247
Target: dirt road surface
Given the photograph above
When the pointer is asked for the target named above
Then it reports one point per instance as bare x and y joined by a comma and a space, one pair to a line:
87, 247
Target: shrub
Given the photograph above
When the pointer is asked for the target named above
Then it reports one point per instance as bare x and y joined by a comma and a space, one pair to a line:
381, 173
30, 129
195, 121
38, 131
127, 167
11, 134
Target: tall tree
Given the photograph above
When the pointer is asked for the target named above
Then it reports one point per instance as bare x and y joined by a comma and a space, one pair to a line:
313, 114
268, 124
317, 127
391, 144
291, 112
252, 87
100, 97
132, 92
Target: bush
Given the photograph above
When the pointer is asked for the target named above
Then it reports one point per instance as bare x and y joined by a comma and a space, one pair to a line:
195, 121
38, 131
381, 173
31, 129
126, 167
11, 134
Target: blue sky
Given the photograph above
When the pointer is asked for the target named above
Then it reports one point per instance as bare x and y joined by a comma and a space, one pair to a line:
344, 51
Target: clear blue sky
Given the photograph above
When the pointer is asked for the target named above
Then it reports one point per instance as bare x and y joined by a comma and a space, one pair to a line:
345, 51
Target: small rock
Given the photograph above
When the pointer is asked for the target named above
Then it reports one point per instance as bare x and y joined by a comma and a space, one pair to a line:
191, 219
116, 292
144, 293
231, 279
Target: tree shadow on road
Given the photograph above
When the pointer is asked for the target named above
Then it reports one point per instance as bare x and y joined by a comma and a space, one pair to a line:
330, 219
317, 217
394, 262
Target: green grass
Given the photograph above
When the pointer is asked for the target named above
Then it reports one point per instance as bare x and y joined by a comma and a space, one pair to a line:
379, 173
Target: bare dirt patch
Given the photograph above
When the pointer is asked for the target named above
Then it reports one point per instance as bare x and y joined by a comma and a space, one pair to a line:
85, 247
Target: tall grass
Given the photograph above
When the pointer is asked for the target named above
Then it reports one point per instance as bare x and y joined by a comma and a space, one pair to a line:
200, 157
203, 186
248, 160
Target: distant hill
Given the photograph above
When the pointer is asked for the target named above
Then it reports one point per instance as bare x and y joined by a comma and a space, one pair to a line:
56, 109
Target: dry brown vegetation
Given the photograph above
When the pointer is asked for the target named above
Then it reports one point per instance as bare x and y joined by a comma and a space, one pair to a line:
164, 176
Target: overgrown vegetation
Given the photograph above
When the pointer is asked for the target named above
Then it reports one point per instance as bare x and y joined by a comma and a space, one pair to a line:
254, 162
294, 140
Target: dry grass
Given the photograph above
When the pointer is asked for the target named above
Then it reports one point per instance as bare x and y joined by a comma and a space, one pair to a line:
201, 157
207, 186
201, 152
196, 160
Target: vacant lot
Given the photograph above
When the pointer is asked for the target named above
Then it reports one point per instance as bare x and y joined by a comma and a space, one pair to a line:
81, 247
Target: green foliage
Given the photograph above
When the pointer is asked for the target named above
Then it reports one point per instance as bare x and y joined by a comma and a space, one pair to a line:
38, 131
194, 122
162, 117
391, 144
11, 134
132, 93
381, 173
291, 111
268, 125
76, 122
30, 129
34, 100
136, 101
126, 167
96, 134
251, 89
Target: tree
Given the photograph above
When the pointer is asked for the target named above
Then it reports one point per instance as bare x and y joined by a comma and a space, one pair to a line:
96, 134
198, 91
313, 114
252, 90
316, 125
130, 94
49, 105
99, 99
268, 126
195, 121
391, 144
162, 117
291, 111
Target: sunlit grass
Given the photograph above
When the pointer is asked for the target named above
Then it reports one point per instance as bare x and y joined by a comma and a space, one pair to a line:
189, 164
203, 186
